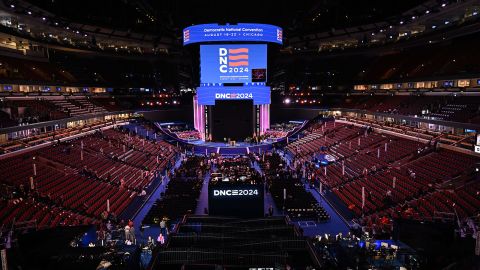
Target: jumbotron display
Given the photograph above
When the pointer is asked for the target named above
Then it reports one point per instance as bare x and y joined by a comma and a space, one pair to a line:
210, 94
232, 70
241, 200
238, 32
239, 63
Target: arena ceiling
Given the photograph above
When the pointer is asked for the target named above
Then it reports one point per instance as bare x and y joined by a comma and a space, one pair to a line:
169, 17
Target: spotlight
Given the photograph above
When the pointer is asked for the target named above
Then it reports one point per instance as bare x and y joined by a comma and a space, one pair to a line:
287, 101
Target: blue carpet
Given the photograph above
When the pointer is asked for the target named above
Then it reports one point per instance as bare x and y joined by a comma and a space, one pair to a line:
333, 226
268, 199
203, 198
154, 230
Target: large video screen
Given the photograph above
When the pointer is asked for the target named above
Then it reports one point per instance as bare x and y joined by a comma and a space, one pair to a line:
239, 200
233, 32
240, 63
208, 95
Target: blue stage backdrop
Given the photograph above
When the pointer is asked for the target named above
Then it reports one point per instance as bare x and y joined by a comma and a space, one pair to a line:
239, 32
239, 63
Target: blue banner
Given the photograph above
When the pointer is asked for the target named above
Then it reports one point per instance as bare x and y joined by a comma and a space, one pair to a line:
207, 95
240, 63
239, 32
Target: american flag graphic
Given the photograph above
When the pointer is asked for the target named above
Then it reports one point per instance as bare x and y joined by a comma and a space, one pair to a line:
186, 35
238, 57
279, 34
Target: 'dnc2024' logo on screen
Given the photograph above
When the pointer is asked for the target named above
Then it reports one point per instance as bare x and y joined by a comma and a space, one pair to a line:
233, 60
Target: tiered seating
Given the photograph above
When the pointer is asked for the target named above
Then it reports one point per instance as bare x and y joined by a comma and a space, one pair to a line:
347, 148
331, 133
63, 190
450, 108
43, 214
92, 108
413, 183
188, 135
464, 202
397, 149
456, 112
6, 121
68, 107
104, 168
376, 186
78, 188
140, 148
364, 154
392, 171
82, 194
439, 166
132, 168
275, 134
355, 166
108, 103
27, 111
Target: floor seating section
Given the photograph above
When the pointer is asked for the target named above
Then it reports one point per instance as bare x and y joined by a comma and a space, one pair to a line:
181, 194
299, 204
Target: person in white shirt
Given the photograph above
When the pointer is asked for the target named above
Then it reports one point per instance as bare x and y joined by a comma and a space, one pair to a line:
127, 232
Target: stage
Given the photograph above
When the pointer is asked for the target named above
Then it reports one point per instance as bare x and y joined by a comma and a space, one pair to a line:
202, 147
241, 148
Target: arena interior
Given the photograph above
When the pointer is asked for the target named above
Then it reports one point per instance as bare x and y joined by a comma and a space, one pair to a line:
259, 135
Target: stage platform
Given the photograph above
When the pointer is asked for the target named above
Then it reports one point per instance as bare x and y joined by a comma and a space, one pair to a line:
202, 147
241, 148
223, 148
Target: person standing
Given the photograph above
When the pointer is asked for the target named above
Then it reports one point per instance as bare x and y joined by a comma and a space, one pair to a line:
127, 233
